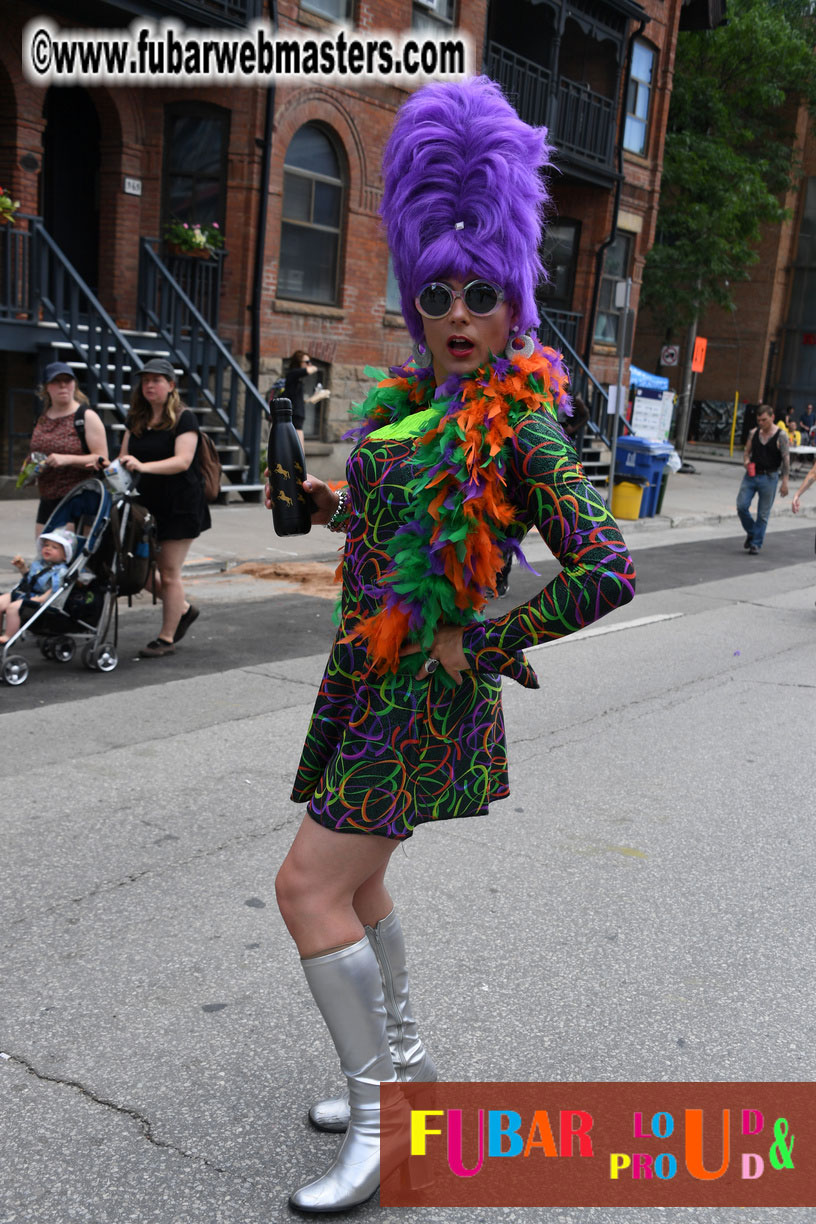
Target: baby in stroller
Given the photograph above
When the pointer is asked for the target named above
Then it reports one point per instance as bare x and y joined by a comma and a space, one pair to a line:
40, 579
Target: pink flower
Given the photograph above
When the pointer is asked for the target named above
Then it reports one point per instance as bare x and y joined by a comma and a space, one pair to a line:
216, 225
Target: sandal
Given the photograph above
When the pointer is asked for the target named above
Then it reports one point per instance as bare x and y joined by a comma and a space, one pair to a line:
157, 648
187, 618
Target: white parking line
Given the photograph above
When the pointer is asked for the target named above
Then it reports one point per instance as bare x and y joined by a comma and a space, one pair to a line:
585, 633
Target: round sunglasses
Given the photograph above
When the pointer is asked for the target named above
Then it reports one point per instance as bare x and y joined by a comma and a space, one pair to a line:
436, 299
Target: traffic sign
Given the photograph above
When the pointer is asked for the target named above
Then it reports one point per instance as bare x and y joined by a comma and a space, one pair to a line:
669, 355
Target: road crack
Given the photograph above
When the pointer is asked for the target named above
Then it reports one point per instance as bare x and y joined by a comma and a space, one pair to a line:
107, 886
255, 671
135, 1115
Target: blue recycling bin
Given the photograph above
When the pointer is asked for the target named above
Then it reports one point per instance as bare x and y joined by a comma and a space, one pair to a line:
645, 458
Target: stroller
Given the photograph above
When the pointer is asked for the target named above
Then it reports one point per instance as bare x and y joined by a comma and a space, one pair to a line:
115, 553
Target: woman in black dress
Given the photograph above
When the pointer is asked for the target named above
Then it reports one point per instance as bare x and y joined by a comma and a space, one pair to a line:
161, 443
300, 364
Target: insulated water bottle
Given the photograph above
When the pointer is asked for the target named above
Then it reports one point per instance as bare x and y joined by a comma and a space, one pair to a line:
291, 509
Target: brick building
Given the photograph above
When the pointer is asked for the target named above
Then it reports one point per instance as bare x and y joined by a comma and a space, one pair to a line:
292, 177
765, 350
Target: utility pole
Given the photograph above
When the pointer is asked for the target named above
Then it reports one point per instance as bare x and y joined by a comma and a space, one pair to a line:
623, 293
685, 400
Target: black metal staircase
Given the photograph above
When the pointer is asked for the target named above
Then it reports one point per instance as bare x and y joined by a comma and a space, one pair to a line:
41, 292
215, 383
594, 444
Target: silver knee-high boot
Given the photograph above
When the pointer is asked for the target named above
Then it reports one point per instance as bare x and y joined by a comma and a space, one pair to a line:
348, 989
410, 1058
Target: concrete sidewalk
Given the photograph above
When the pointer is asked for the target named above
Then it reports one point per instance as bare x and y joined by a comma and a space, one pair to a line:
703, 499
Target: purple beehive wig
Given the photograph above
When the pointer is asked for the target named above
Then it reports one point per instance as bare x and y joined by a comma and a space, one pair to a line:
459, 153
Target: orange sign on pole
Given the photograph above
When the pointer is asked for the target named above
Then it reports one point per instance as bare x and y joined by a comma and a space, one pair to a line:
699, 354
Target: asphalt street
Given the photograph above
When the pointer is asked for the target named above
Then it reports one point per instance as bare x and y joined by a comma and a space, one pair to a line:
246, 621
640, 908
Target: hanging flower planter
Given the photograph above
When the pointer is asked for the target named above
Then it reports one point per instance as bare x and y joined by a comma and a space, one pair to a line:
200, 241
8, 208
189, 252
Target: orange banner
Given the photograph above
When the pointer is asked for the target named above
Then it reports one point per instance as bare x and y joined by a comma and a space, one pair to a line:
699, 355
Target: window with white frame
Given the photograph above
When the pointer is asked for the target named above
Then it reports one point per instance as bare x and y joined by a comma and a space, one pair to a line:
314, 189
638, 98
433, 15
609, 319
339, 10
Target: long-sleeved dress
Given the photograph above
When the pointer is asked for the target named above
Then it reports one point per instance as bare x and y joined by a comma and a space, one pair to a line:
385, 753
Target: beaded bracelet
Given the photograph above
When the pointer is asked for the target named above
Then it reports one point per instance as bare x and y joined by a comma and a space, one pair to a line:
342, 514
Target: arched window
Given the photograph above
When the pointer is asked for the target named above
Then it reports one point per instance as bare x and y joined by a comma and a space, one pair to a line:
314, 188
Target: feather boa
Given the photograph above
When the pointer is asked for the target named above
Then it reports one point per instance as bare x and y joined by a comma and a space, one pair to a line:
446, 555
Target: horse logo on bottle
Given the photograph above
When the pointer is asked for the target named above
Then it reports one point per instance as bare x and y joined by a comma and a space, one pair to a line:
286, 465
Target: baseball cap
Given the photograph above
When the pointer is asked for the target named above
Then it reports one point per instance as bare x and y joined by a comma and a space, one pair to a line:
61, 535
159, 365
54, 369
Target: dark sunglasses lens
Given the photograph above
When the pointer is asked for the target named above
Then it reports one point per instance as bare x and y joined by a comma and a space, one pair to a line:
435, 300
481, 297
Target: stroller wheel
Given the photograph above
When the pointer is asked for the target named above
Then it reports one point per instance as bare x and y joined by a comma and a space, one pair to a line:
88, 657
15, 670
47, 647
63, 649
106, 658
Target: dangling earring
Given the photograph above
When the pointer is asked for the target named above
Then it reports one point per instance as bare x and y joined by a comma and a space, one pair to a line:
419, 356
519, 346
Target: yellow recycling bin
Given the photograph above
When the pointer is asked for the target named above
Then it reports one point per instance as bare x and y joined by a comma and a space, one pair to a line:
626, 499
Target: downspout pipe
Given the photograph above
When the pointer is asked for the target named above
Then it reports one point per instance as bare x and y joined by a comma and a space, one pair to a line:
263, 209
602, 249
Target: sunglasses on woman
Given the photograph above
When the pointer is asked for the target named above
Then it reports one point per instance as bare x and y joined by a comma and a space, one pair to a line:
436, 299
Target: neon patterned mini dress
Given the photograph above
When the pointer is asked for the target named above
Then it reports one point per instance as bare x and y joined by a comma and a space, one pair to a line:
445, 483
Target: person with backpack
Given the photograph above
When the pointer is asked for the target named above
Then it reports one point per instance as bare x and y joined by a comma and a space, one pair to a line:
71, 436
161, 446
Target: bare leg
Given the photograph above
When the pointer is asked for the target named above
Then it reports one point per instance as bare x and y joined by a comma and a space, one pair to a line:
12, 620
372, 900
318, 883
316, 888
169, 588
154, 585
5, 600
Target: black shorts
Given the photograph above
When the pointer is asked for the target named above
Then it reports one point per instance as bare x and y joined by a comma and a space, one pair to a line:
47, 507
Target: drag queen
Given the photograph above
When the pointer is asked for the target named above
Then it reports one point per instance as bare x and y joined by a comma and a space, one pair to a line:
459, 455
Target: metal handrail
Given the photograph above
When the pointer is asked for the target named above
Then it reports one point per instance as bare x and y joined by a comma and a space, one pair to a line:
64, 296
166, 308
582, 381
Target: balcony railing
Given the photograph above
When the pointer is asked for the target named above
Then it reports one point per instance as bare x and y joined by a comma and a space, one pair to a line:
581, 122
526, 83
585, 124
